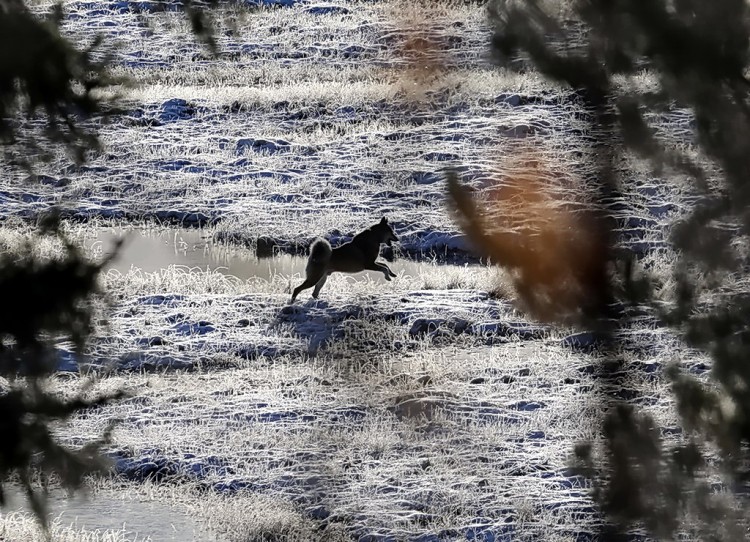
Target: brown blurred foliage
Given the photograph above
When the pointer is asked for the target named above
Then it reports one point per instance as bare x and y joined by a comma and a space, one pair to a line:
695, 56
420, 48
553, 249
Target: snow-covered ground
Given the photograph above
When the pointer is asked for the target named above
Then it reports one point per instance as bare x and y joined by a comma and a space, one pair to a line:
423, 409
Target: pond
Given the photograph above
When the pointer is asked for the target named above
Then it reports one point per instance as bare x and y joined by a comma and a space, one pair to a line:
153, 250
135, 520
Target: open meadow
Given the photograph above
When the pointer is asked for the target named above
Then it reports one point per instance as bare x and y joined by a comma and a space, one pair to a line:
423, 409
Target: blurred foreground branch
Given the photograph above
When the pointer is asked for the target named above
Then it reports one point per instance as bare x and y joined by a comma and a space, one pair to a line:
694, 56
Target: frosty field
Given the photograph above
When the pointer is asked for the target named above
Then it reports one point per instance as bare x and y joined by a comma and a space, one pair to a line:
423, 409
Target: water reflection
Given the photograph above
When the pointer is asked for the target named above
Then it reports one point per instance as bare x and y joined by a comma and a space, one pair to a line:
135, 520
153, 250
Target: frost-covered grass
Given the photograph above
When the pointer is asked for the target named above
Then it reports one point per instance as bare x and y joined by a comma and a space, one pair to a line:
24, 526
307, 123
424, 409
377, 409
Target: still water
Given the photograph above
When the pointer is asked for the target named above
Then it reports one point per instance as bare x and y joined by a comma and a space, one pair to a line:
139, 521
152, 250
